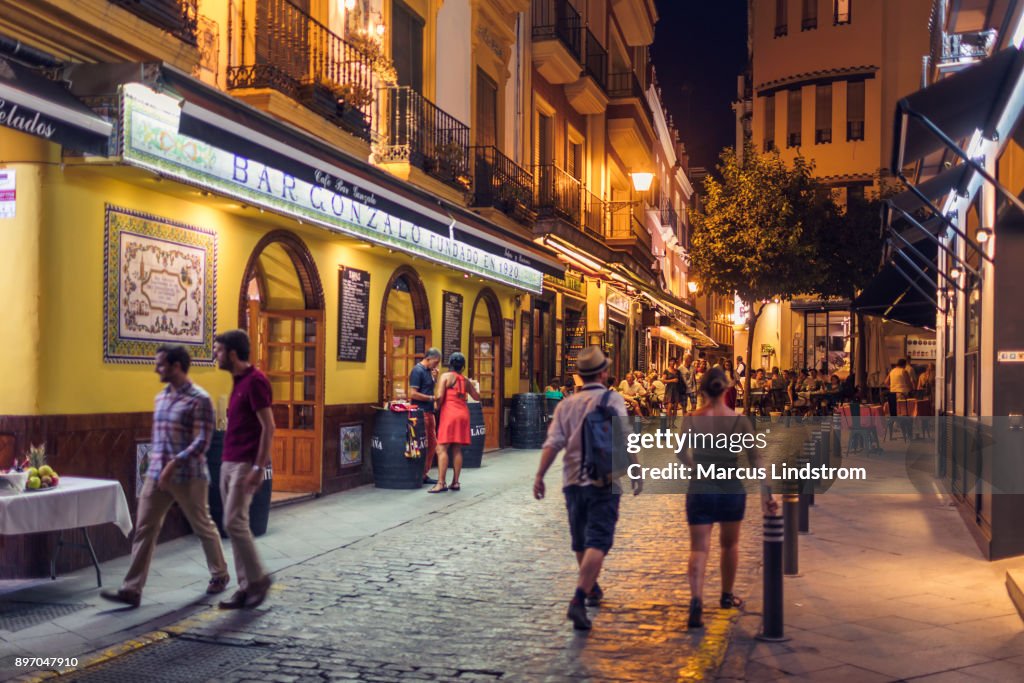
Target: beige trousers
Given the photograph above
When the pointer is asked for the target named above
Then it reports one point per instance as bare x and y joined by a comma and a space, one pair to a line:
236, 499
192, 497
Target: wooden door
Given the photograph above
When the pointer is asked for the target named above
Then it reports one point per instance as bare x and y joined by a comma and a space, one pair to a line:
290, 351
486, 366
403, 349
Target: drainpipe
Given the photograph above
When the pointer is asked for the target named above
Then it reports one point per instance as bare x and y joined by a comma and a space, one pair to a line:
25, 53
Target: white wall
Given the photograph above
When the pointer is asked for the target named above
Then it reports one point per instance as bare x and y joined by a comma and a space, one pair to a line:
455, 59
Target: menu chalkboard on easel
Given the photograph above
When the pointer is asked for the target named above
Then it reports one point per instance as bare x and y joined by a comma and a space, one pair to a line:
451, 329
353, 314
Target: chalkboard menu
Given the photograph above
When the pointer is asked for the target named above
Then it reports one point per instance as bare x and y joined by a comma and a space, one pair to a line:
506, 347
575, 338
353, 314
451, 331
641, 353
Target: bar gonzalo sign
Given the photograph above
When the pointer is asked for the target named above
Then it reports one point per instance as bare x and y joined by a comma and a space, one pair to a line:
151, 140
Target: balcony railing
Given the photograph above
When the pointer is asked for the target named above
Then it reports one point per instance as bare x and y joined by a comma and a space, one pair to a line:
558, 19
557, 193
594, 213
625, 222
670, 219
178, 17
502, 183
596, 62
415, 130
625, 84
966, 47
276, 45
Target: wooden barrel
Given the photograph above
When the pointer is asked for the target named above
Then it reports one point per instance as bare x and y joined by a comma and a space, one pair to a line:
391, 469
473, 453
528, 423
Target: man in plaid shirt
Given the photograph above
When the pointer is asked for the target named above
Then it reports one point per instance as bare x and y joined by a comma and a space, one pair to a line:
183, 424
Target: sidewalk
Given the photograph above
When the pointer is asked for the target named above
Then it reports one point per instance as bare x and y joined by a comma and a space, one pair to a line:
892, 587
67, 617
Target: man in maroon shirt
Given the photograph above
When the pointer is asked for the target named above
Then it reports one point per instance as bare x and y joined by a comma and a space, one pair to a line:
247, 443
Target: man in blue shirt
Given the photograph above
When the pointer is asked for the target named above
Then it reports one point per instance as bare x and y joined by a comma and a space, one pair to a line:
421, 384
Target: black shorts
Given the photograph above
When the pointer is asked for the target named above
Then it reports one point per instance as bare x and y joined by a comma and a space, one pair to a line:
593, 513
708, 508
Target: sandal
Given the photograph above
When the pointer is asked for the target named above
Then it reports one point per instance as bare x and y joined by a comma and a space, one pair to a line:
730, 601
456, 486
438, 490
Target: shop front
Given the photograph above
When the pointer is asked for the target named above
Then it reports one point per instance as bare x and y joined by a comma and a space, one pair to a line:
342, 285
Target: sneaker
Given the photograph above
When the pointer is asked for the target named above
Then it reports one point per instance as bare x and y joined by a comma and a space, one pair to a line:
236, 601
218, 584
257, 592
578, 614
122, 596
595, 596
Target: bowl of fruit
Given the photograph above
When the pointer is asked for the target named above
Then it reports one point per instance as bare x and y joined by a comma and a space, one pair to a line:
31, 474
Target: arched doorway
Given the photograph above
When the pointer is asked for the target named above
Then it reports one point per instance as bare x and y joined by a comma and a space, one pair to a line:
485, 361
404, 331
282, 307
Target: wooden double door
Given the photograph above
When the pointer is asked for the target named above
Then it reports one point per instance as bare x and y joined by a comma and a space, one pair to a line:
403, 349
289, 349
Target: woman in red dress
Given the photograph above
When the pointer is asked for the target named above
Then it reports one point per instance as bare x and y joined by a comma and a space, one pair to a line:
453, 424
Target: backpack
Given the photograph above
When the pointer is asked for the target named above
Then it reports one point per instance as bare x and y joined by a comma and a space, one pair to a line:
598, 442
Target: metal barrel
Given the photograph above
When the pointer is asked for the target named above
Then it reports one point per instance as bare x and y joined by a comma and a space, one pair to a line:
772, 618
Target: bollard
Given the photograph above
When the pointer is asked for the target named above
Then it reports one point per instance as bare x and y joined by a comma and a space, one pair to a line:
805, 513
790, 539
771, 620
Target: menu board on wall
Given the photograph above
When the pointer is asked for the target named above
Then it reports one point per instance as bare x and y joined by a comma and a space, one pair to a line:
575, 338
353, 314
506, 347
921, 348
641, 353
451, 330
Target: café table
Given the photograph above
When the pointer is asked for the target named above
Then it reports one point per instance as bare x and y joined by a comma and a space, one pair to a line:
75, 503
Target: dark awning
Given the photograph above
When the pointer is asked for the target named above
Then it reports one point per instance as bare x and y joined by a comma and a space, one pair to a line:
901, 291
934, 189
33, 104
969, 100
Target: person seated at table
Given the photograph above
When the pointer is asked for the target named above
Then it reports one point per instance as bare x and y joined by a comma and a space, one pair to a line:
835, 385
657, 391
633, 391
759, 380
814, 383
793, 390
777, 382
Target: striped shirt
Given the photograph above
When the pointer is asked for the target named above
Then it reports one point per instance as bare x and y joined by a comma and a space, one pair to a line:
183, 424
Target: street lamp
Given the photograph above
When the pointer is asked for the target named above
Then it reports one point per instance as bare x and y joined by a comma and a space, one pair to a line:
641, 180
692, 286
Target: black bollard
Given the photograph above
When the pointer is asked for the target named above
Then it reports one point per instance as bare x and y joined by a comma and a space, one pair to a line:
771, 619
790, 547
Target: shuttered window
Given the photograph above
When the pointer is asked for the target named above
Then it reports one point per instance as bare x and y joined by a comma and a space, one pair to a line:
855, 110
486, 110
823, 114
769, 122
794, 118
407, 46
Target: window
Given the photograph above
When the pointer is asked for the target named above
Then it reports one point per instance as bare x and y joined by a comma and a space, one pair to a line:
769, 122
542, 151
780, 18
407, 46
855, 110
794, 118
823, 114
486, 110
810, 15
574, 160
842, 11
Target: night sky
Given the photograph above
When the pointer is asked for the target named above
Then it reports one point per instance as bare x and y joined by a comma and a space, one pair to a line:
700, 47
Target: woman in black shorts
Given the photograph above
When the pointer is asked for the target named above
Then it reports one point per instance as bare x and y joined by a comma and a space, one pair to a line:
721, 501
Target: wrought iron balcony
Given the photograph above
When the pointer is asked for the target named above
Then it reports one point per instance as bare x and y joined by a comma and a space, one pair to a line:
557, 193
670, 219
962, 48
625, 84
625, 222
594, 213
854, 130
558, 19
502, 183
415, 130
274, 44
596, 61
178, 17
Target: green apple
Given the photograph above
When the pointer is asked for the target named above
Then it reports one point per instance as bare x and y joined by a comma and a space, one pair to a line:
33, 472
34, 482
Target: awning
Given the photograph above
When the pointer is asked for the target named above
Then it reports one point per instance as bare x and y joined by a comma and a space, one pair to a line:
905, 289
969, 100
667, 300
33, 104
934, 190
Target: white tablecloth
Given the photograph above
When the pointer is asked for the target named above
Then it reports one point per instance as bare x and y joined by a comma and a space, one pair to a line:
75, 502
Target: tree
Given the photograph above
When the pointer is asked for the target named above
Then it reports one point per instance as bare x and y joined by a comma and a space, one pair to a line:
753, 236
848, 253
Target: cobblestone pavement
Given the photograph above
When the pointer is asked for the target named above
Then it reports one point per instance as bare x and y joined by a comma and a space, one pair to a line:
477, 591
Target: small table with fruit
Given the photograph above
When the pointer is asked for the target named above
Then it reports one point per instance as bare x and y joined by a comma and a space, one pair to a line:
70, 503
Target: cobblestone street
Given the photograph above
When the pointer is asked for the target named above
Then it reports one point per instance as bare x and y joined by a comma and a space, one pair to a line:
476, 591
